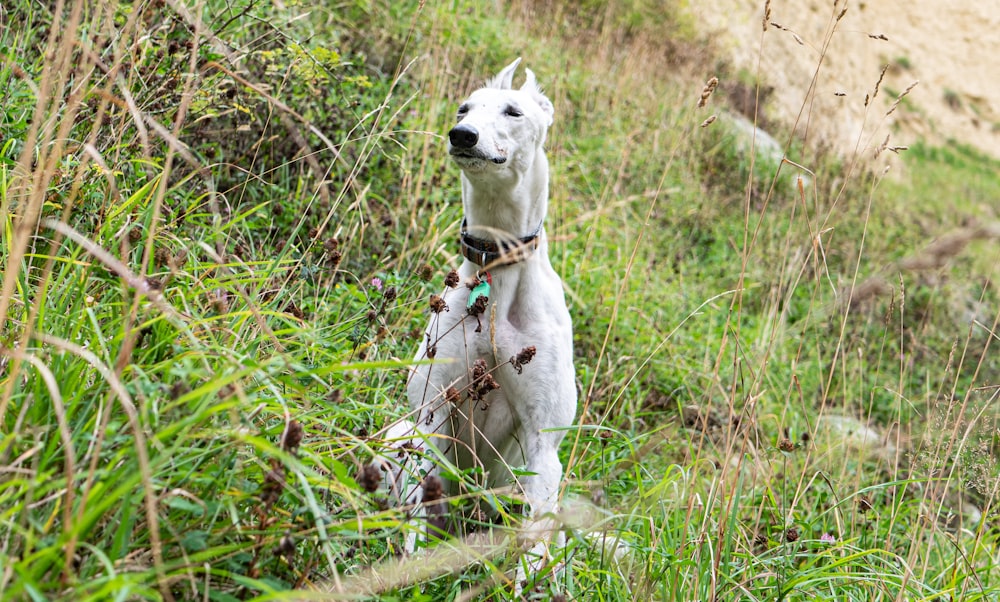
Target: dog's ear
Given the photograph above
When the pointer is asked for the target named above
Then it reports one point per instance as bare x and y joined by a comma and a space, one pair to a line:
531, 87
503, 80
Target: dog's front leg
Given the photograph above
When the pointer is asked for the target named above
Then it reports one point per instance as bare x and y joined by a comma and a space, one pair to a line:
408, 467
541, 489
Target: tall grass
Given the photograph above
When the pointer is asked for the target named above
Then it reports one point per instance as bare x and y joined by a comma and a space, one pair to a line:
220, 226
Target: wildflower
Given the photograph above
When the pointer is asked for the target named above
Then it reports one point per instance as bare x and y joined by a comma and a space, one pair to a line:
827, 538
377, 283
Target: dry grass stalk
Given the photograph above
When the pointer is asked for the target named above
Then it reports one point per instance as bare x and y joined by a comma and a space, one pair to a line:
881, 76
767, 15
899, 98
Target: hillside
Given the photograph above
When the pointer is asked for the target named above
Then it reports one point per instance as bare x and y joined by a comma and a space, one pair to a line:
956, 100
221, 225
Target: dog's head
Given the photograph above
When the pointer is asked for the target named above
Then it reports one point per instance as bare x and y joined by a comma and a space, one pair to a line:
501, 128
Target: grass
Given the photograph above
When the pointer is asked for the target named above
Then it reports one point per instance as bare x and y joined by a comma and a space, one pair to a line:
220, 227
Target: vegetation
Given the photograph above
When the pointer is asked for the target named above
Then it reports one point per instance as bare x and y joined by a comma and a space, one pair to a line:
220, 228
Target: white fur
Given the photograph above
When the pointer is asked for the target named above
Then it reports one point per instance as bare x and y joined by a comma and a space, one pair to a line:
505, 196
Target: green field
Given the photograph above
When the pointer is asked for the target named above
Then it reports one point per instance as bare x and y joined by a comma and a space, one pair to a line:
220, 227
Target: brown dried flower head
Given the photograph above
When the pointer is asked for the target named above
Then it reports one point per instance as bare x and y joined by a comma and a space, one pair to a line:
452, 279
433, 489
425, 272
274, 483
523, 357
370, 478
479, 306
292, 436
437, 304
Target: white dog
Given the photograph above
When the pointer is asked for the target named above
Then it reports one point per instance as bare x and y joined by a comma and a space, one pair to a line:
480, 401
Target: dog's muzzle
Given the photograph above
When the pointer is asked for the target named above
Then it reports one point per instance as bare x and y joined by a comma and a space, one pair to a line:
463, 136
464, 140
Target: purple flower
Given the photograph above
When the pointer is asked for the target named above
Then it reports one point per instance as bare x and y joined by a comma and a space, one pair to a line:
377, 283
827, 538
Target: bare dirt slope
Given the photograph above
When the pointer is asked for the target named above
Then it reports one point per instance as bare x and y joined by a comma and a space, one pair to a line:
952, 48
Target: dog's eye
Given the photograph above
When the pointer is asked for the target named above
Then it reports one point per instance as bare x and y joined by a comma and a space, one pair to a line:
512, 111
463, 110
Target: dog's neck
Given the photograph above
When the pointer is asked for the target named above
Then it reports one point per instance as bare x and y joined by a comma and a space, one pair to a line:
498, 208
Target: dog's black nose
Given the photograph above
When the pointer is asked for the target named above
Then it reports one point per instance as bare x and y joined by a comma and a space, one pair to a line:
463, 136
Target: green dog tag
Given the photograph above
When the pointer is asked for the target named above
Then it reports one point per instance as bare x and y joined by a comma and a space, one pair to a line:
480, 290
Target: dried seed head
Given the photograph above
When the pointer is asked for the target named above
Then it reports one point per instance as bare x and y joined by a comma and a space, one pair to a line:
292, 309
760, 540
488, 384
899, 98
864, 504
292, 436
877, 84
706, 92
482, 380
453, 396
767, 14
274, 483
162, 256
478, 306
478, 369
523, 357
370, 478
452, 279
437, 304
390, 294
425, 272
791, 535
435, 506
286, 547
708, 121
433, 489
334, 259
786, 445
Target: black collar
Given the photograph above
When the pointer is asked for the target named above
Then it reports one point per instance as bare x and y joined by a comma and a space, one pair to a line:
487, 252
